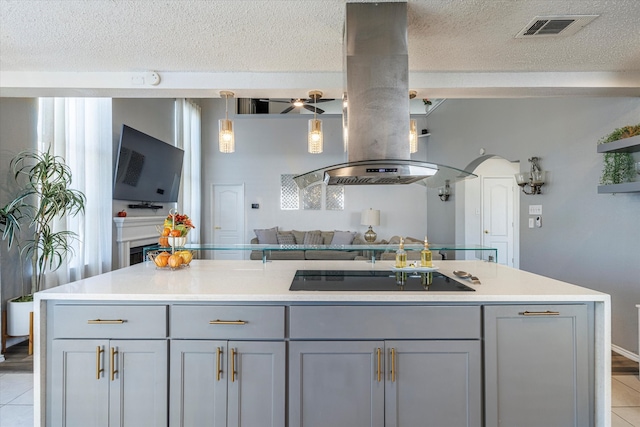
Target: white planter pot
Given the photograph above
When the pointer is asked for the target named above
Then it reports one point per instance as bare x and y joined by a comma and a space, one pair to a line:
18, 318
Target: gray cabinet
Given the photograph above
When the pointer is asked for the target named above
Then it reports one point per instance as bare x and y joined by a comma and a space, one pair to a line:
228, 366
397, 366
108, 365
115, 383
385, 383
336, 383
536, 365
433, 384
234, 383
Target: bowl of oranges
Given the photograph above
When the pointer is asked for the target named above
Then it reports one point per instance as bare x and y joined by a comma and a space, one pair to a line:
173, 261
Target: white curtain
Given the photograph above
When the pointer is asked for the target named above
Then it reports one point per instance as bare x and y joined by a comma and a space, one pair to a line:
188, 119
79, 130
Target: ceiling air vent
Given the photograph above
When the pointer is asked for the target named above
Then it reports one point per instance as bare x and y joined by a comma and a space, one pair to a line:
555, 26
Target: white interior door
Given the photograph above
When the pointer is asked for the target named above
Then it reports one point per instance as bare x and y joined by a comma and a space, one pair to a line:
228, 220
498, 218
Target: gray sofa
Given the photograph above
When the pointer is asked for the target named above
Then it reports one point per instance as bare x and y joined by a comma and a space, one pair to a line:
312, 237
293, 238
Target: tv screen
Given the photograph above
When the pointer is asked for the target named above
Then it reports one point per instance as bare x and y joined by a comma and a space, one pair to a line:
147, 169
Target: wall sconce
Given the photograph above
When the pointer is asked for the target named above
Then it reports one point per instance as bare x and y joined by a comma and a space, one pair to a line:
444, 192
413, 136
370, 217
226, 139
314, 140
534, 179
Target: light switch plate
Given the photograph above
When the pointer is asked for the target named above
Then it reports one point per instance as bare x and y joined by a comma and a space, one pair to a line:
530, 222
535, 209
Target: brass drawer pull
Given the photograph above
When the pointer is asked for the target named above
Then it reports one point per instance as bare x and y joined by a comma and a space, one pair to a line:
99, 370
218, 363
227, 322
540, 313
233, 365
105, 321
379, 351
393, 365
114, 371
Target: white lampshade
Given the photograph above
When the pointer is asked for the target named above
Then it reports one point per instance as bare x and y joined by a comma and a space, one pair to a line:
370, 217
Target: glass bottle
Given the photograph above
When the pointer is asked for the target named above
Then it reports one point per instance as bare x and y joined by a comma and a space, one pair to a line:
401, 256
425, 255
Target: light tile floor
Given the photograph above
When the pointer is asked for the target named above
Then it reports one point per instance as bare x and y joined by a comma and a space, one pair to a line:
16, 400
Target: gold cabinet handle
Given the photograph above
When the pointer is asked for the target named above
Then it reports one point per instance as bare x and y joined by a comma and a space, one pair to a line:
379, 351
218, 363
99, 370
393, 365
540, 313
114, 371
233, 365
227, 322
105, 321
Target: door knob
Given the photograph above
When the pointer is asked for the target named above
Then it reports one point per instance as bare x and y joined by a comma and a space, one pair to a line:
486, 231
218, 228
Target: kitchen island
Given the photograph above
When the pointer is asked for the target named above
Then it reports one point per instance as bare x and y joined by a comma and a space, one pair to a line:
476, 348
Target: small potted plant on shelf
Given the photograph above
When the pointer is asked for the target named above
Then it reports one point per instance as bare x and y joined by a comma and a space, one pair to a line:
44, 195
618, 167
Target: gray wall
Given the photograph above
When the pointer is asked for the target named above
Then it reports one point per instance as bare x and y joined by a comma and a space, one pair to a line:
586, 238
267, 147
18, 124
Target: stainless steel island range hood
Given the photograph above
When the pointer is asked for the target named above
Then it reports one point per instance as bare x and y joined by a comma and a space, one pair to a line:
377, 117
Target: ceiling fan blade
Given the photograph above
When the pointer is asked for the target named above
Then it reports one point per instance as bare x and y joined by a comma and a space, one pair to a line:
284, 101
325, 100
313, 109
286, 110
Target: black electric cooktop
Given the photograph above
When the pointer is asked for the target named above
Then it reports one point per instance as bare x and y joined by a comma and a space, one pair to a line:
369, 280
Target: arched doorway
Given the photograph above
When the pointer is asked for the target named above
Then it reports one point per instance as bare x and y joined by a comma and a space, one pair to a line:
491, 208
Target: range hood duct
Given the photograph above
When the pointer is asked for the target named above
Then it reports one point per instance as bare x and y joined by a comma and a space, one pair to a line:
377, 123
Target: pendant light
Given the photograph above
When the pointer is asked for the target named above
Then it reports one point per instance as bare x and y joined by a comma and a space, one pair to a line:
413, 136
226, 140
314, 139
413, 130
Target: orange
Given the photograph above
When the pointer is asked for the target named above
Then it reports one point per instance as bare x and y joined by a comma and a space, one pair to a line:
175, 261
175, 233
166, 231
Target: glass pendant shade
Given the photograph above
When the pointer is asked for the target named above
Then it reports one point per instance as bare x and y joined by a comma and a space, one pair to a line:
413, 136
315, 136
226, 141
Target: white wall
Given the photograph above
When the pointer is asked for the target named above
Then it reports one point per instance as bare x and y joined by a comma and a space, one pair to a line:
267, 147
587, 238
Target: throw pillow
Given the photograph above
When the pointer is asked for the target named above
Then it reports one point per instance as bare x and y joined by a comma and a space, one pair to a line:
286, 238
343, 237
312, 238
299, 236
267, 236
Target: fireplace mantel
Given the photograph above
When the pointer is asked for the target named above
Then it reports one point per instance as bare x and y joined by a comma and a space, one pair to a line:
135, 231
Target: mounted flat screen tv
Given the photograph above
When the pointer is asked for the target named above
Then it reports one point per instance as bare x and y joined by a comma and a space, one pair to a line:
147, 169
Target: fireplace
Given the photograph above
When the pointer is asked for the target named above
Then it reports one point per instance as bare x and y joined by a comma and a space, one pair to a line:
133, 233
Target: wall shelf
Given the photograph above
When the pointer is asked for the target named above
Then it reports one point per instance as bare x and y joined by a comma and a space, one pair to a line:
625, 187
626, 145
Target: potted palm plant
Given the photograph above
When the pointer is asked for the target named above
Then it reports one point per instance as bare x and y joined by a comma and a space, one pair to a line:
44, 195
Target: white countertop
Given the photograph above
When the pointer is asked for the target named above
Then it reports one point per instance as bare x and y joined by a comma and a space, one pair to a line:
254, 281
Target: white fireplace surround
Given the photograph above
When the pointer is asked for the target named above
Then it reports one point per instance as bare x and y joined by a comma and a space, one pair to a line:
135, 231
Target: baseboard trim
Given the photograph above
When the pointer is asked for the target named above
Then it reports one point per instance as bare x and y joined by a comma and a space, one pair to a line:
626, 353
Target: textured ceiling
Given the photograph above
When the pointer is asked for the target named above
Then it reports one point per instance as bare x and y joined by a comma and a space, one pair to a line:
285, 48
